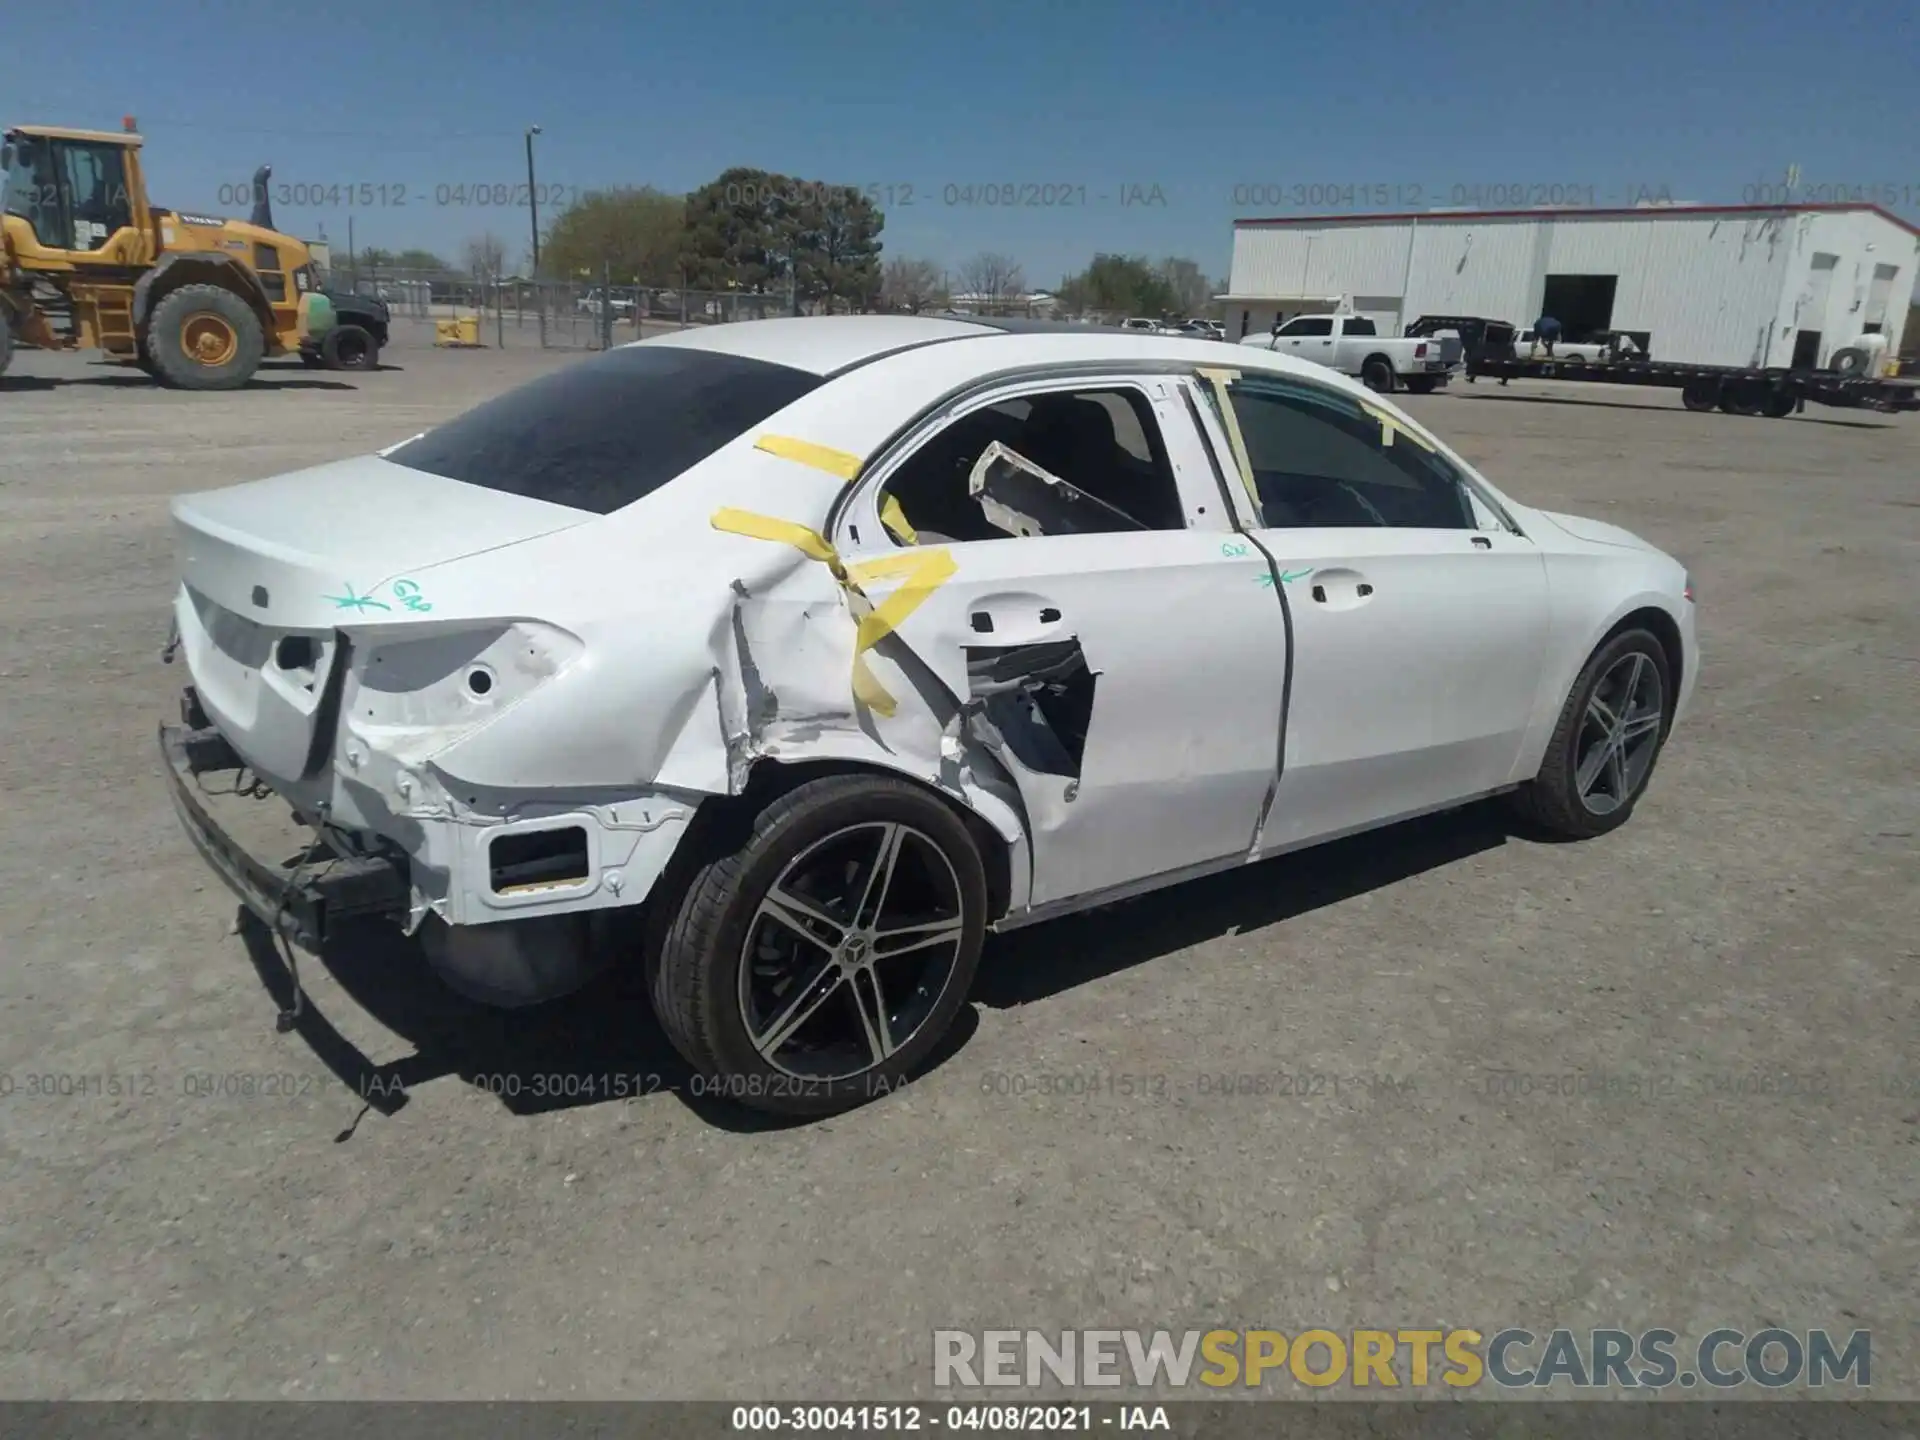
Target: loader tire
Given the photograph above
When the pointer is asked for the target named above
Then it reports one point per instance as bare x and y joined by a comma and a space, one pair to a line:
203, 337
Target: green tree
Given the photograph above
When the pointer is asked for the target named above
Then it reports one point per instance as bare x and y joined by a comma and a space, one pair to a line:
764, 233
1187, 285
419, 260
1119, 285
633, 232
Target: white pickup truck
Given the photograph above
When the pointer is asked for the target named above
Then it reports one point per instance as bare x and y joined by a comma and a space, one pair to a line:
1352, 345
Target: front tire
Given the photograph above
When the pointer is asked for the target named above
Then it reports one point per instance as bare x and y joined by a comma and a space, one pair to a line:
202, 337
818, 963
1607, 741
349, 347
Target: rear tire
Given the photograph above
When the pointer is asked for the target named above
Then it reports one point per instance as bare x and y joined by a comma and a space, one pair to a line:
729, 975
348, 347
1607, 741
1700, 395
1422, 385
6, 339
1377, 376
1780, 404
203, 337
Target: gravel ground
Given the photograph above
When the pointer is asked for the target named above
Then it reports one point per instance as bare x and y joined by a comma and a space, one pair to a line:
384, 1225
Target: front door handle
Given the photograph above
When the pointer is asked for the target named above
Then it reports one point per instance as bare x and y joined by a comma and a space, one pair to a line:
1482, 542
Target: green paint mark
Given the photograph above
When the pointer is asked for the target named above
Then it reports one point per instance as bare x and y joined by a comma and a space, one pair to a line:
1232, 551
1264, 578
359, 603
408, 594
1287, 577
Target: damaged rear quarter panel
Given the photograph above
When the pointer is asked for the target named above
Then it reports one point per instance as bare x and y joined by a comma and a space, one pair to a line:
701, 652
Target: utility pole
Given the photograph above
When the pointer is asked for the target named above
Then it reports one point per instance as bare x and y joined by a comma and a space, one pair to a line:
533, 219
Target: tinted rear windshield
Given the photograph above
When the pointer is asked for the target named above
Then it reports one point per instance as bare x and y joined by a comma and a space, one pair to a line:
600, 434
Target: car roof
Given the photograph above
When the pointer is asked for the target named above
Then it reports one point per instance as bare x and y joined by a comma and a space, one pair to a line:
831, 345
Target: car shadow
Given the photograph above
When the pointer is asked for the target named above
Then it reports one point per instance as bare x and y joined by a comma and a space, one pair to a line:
603, 1044
1602, 404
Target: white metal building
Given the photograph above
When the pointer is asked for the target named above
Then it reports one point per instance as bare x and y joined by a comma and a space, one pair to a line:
1707, 284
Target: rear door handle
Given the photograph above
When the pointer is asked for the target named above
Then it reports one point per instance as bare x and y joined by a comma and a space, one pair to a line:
1483, 542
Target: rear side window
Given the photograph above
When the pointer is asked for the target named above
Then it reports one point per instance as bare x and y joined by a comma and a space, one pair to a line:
601, 434
1360, 325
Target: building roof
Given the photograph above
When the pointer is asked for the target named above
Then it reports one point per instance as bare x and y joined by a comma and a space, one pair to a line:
1569, 212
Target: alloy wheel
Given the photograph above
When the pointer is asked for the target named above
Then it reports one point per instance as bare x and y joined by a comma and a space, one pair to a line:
1619, 734
850, 950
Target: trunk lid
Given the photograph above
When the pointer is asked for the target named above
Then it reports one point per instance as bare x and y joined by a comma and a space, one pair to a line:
271, 571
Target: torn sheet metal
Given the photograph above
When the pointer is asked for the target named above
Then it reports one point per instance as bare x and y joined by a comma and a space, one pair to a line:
1022, 499
923, 571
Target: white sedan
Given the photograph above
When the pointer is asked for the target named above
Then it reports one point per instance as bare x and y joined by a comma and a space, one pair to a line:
832, 644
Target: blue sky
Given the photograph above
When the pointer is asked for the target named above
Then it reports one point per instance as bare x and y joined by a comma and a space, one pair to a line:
1225, 108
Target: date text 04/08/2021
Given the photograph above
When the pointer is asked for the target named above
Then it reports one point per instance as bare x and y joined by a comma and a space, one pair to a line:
985, 1419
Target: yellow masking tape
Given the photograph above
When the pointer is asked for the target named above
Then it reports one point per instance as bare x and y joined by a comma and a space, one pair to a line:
924, 570
1391, 425
820, 457
895, 519
1219, 380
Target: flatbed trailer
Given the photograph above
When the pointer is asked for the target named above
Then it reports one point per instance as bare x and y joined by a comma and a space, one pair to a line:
1776, 392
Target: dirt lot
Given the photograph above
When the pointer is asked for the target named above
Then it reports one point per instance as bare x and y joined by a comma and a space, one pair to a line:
1746, 928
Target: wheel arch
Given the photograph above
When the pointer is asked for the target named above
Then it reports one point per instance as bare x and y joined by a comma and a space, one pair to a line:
997, 830
1658, 622
1646, 610
200, 268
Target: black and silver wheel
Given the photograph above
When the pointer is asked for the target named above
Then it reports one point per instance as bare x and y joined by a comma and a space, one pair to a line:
1607, 740
819, 963
1377, 376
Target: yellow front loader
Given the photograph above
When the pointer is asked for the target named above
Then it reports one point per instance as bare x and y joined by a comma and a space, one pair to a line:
88, 263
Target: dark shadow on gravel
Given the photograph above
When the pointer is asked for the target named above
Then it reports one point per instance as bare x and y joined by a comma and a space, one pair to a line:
602, 1044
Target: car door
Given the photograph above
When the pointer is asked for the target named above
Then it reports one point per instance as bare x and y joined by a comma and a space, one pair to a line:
1312, 337
1419, 619
1156, 746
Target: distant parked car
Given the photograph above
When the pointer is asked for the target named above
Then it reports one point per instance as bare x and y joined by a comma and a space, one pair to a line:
592, 302
1353, 345
1151, 327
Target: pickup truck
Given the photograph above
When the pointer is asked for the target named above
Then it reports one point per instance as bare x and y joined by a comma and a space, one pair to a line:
1352, 345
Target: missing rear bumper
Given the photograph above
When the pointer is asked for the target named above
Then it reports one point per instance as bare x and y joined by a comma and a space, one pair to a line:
305, 900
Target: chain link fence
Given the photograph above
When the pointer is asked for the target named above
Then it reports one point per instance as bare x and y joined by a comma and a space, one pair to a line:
559, 314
